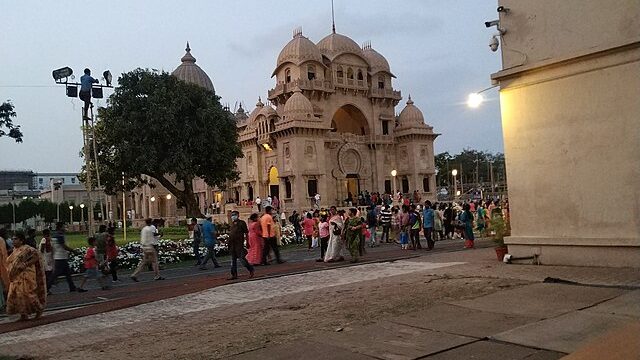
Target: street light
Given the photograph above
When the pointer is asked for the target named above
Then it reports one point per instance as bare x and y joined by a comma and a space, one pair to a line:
71, 214
454, 172
153, 198
168, 196
475, 99
394, 173
82, 213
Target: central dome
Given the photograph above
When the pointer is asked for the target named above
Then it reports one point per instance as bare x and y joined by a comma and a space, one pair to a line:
190, 72
335, 44
299, 50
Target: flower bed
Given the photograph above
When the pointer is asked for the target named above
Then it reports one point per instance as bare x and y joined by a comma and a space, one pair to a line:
169, 252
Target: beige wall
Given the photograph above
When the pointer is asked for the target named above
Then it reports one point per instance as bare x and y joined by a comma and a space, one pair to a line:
571, 131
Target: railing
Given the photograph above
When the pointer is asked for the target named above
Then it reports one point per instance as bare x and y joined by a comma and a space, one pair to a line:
386, 93
303, 84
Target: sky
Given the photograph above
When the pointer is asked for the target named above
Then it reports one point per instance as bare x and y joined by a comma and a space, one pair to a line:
438, 51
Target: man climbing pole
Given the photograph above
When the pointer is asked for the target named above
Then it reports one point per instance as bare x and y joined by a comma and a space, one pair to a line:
86, 81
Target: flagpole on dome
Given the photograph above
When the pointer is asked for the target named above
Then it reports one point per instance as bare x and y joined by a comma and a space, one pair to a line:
333, 19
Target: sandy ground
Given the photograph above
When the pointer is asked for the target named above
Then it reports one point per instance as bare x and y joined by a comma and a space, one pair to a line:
235, 329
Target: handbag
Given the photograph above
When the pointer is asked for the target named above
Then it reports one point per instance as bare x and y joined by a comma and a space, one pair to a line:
336, 229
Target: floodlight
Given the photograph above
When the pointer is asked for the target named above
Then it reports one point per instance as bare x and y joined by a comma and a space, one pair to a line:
62, 73
72, 91
96, 92
108, 78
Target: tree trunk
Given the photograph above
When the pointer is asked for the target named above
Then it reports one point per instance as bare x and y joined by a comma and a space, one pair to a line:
186, 196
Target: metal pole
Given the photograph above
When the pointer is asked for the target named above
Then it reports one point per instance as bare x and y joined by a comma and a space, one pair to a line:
492, 185
124, 211
87, 158
95, 159
455, 187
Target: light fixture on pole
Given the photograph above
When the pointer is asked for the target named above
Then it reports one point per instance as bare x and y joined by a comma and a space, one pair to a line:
82, 213
124, 211
475, 99
168, 196
454, 172
394, 173
71, 215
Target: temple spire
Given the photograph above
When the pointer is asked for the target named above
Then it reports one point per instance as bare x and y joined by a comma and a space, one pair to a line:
188, 47
333, 19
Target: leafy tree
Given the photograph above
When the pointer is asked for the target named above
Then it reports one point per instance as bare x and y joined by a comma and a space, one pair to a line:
6, 121
474, 167
157, 126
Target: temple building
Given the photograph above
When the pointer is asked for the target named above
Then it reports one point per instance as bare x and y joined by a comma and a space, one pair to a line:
331, 128
328, 127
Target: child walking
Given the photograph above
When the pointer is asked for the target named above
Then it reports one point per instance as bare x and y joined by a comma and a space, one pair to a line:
91, 267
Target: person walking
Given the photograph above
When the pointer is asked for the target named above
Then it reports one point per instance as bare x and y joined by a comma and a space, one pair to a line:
238, 234
385, 222
101, 251
323, 233
414, 227
91, 267
428, 219
210, 235
353, 233
27, 285
255, 241
336, 243
197, 240
31, 238
148, 241
448, 216
294, 219
307, 224
269, 235
372, 224
259, 203
61, 258
112, 253
467, 219
46, 250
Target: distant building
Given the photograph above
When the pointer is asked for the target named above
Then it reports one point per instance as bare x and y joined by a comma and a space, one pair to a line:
41, 181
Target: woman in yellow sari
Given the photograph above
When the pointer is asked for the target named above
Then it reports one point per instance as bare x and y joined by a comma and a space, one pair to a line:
27, 288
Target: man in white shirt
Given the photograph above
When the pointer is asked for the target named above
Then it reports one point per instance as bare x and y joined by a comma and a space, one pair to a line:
317, 201
148, 241
259, 203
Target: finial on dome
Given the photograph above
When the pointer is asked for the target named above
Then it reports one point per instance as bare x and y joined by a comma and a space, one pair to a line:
188, 58
188, 48
333, 19
259, 103
409, 102
366, 45
297, 32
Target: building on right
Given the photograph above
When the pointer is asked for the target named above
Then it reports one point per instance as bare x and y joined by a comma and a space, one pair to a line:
570, 104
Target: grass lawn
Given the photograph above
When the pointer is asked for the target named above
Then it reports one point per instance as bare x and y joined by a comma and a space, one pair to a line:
77, 240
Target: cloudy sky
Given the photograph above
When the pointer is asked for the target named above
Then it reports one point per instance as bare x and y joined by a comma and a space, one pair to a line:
438, 50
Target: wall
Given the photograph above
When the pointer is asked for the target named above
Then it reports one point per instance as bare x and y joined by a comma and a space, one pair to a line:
571, 131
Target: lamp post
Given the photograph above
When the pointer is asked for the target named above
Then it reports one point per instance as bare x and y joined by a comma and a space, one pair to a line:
13, 207
454, 172
71, 215
394, 173
476, 99
81, 214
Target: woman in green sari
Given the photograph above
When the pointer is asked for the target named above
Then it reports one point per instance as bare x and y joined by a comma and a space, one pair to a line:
352, 233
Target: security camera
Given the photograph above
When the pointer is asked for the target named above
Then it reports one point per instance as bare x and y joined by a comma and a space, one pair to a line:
492, 23
494, 43
502, 9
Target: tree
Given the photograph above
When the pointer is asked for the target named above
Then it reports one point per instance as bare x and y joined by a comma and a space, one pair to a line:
169, 130
6, 121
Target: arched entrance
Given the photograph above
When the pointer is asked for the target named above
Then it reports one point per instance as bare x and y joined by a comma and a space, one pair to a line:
274, 182
349, 119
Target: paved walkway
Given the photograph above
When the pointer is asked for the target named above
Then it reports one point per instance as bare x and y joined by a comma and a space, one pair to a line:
524, 319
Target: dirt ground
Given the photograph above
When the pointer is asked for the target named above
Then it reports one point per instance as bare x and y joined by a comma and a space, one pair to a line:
235, 329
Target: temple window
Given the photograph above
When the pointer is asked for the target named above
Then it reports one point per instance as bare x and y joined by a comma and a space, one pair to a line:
311, 72
360, 75
380, 82
349, 73
287, 75
340, 72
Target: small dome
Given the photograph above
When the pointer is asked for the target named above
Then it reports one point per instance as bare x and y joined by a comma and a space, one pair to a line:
268, 111
377, 62
190, 72
335, 44
298, 107
299, 50
410, 116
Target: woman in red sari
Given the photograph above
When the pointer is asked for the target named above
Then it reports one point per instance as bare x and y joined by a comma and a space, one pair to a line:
256, 242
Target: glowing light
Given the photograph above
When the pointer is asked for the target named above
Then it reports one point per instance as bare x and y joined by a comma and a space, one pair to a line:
454, 172
394, 172
168, 196
474, 100
153, 198
81, 206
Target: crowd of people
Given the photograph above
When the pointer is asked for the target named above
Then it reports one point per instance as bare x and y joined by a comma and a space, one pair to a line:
32, 268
